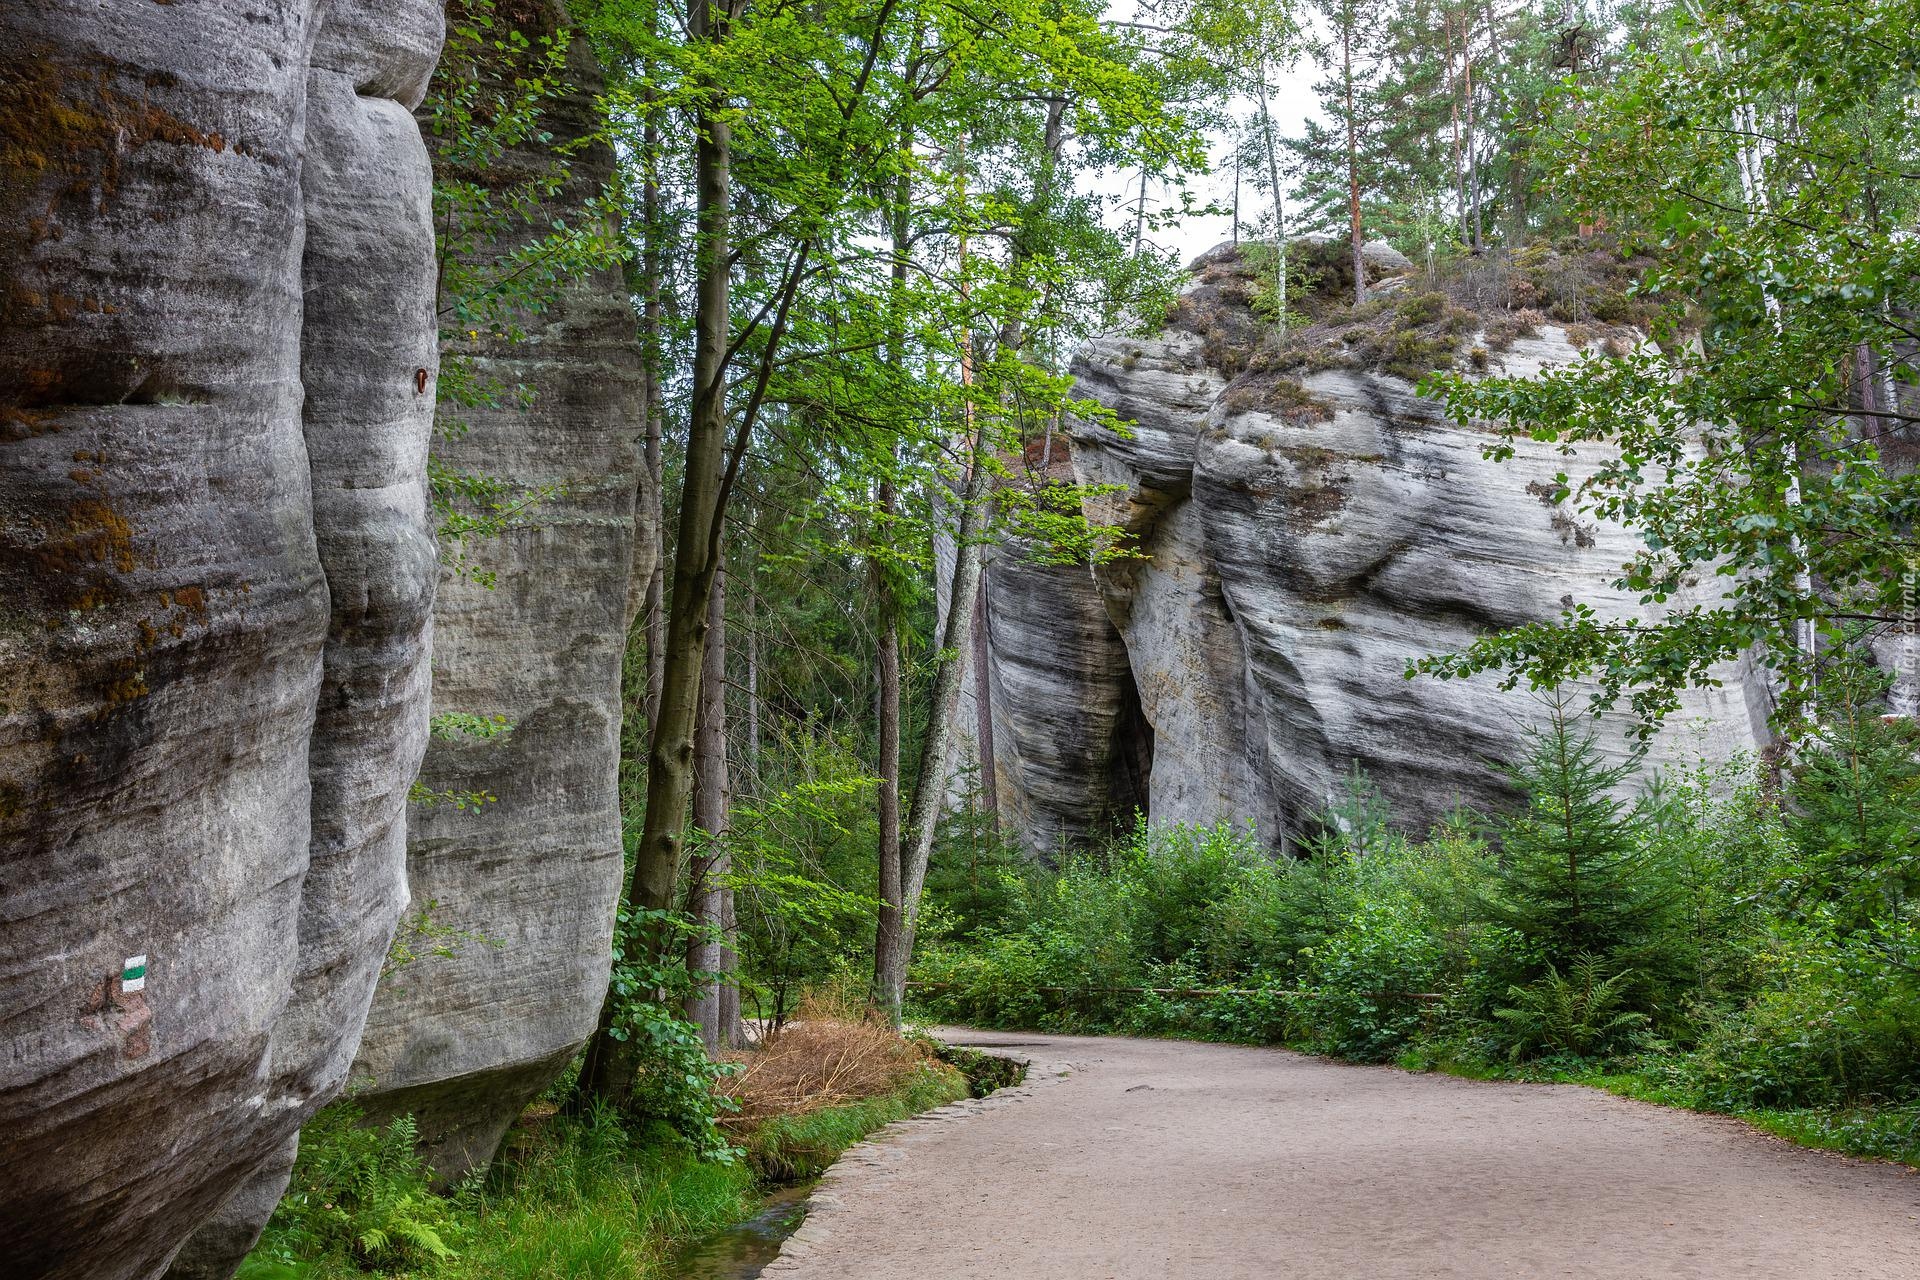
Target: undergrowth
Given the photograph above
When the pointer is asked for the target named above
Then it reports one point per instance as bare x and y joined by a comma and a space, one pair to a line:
792, 1148
1732, 940
593, 1198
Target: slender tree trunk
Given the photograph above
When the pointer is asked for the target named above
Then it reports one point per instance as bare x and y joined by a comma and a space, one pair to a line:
1279, 206
1140, 215
1478, 240
653, 609
752, 621
930, 784
893, 949
670, 763
1236, 187
1354, 234
887, 941
1459, 165
729, 986
983, 706
710, 863
887, 695
1754, 153
607, 1072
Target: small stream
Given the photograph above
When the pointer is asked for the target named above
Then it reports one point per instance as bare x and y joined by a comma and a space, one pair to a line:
742, 1250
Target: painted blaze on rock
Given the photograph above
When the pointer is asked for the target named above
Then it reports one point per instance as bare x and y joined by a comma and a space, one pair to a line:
216, 577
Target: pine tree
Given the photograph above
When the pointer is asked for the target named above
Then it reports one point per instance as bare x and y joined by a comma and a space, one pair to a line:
1575, 877
1339, 163
1853, 801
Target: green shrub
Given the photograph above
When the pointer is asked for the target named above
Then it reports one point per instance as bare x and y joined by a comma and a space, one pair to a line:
1576, 876
1855, 789
1579, 1014
1835, 1024
360, 1196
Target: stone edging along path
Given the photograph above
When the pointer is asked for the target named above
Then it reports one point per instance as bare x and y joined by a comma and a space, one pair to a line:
885, 1154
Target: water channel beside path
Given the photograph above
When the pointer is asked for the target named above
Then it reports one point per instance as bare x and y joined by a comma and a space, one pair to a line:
743, 1250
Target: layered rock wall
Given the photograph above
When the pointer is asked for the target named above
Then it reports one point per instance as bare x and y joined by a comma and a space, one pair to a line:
216, 386
531, 632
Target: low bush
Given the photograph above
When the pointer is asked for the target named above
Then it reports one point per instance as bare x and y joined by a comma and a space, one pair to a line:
596, 1197
585, 1198
827, 1056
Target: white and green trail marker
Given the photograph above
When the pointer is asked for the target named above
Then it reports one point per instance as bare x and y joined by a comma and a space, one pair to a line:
133, 974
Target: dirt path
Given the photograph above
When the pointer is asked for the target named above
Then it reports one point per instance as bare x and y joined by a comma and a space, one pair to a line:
1146, 1158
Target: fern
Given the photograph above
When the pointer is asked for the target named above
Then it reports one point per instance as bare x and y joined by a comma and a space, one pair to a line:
362, 1194
1580, 1013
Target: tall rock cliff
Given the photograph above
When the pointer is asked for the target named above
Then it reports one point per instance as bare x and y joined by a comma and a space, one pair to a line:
1306, 525
217, 357
534, 635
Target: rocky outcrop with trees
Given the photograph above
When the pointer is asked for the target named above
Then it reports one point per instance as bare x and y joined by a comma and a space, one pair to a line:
1304, 525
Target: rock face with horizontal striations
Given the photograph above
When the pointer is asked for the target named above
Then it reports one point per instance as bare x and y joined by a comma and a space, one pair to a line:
1303, 538
217, 363
490, 1013
1071, 763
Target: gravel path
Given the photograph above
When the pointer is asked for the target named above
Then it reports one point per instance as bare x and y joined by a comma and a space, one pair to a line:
1150, 1158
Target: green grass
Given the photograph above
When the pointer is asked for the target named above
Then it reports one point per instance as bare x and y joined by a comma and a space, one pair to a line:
581, 1199
1890, 1132
1878, 1133
794, 1147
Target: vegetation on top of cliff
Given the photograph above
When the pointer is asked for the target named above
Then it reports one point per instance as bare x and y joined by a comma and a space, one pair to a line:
1464, 313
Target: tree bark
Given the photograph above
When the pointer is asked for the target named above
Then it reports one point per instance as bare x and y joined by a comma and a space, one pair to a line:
653, 612
1279, 206
887, 712
1140, 215
930, 784
890, 919
1459, 164
710, 864
983, 708
608, 1070
1478, 241
753, 677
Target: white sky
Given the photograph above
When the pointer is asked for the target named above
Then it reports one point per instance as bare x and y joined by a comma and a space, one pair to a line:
1290, 99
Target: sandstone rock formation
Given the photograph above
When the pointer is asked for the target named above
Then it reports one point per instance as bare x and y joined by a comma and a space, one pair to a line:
528, 882
217, 357
1302, 537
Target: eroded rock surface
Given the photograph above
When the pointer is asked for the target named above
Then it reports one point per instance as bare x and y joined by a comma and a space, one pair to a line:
527, 883
216, 387
1303, 538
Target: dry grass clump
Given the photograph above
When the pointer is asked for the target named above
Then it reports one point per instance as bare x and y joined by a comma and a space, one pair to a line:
828, 1055
1281, 397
